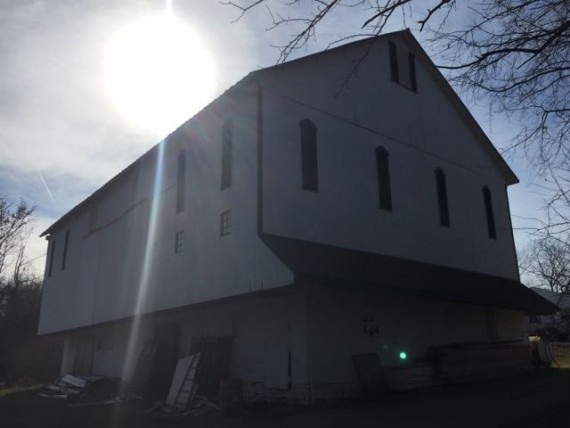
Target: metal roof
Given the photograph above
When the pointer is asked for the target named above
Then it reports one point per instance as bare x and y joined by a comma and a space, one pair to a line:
326, 264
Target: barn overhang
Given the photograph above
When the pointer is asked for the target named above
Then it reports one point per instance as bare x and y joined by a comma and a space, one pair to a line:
326, 264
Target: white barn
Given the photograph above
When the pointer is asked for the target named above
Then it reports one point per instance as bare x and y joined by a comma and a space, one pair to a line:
312, 212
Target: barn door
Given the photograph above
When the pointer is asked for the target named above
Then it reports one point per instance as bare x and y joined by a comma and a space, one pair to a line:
84, 347
163, 362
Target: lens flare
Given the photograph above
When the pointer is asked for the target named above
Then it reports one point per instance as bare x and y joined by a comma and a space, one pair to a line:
159, 73
133, 342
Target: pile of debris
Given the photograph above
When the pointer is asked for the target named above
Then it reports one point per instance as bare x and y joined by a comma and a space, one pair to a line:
187, 397
83, 389
191, 386
199, 384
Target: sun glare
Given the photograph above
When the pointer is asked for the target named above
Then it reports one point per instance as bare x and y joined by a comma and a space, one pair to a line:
159, 73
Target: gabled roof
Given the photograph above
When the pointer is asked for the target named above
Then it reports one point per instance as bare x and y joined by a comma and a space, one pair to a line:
407, 37
330, 265
96, 194
404, 35
101, 190
454, 99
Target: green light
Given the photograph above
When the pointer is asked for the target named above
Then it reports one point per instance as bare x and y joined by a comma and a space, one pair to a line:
403, 355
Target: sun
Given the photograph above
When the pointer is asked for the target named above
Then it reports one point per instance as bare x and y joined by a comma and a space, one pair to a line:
159, 73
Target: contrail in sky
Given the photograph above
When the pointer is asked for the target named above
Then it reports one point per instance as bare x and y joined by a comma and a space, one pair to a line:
46, 186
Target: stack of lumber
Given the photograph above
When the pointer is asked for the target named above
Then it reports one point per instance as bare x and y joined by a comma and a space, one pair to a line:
472, 363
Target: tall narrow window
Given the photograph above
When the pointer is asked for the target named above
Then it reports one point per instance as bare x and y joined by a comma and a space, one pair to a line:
489, 213
309, 161
65, 243
227, 137
52, 252
442, 197
181, 182
412, 70
383, 170
402, 66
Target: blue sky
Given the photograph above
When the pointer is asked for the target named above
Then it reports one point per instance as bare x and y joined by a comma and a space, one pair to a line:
62, 135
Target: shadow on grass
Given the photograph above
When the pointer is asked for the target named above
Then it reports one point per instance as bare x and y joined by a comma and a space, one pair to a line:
521, 400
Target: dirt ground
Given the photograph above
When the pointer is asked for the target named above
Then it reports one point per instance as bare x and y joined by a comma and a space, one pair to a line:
540, 399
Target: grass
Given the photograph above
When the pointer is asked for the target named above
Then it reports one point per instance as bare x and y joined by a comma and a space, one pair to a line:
561, 355
6, 391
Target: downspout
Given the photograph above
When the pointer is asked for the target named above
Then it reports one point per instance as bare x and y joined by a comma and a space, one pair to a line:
259, 160
308, 348
260, 218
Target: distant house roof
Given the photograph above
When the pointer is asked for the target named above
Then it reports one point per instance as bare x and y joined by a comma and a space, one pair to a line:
331, 265
562, 300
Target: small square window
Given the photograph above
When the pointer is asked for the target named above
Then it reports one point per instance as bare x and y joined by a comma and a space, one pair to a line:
179, 242
226, 223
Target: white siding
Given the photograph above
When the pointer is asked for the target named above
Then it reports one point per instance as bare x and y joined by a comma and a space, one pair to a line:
421, 131
127, 264
264, 331
337, 319
121, 258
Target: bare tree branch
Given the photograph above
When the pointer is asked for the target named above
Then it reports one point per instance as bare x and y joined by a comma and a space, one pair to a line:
14, 223
512, 54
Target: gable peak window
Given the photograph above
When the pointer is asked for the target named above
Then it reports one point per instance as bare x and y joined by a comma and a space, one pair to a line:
309, 160
491, 229
383, 172
181, 182
227, 143
402, 66
442, 197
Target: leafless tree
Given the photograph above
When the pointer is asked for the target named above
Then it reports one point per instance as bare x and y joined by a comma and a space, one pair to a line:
23, 355
15, 226
546, 264
15, 222
514, 53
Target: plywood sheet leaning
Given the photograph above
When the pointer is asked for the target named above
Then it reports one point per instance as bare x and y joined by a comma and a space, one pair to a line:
184, 384
182, 367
